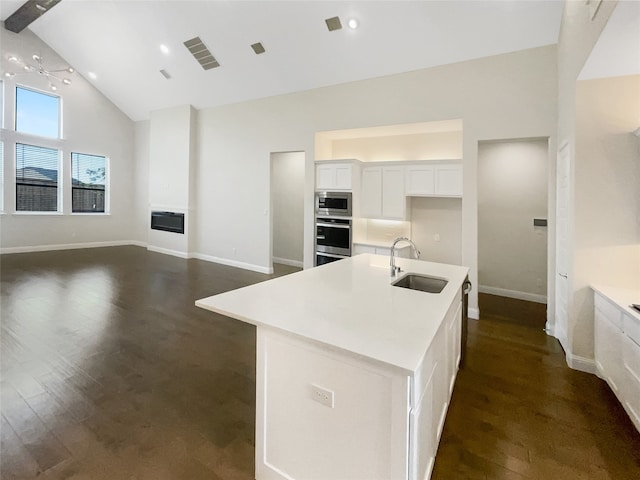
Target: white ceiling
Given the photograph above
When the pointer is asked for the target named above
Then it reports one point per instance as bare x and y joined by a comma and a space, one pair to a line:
617, 52
119, 41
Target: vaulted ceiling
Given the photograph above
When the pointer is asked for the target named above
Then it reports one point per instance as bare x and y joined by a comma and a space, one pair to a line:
119, 41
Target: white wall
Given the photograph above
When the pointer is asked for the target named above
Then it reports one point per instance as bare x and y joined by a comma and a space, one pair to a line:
287, 203
512, 191
506, 96
441, 217
607, 196
171, 174
578, 35
424, 146
91, 124
141, 208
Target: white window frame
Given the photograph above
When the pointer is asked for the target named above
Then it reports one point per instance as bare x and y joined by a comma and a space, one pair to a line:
107, 184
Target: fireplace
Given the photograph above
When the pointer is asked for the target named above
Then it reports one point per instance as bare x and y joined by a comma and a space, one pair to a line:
168, 221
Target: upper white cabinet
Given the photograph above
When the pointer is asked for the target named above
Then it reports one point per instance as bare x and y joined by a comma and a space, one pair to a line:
371, 192
382, 192
435, 179
334, 176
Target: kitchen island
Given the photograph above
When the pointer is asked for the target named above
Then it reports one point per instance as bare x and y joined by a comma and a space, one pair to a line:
353, 375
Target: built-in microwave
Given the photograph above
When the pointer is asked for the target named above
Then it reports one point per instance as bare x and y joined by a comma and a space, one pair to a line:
333, 204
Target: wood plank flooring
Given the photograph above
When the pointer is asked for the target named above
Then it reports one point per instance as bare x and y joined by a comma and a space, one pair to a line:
110, 372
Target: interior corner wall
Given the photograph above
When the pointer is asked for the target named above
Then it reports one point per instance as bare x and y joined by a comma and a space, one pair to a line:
504, 96
512, 191
607, 195
141, 147
91, 124
578, 35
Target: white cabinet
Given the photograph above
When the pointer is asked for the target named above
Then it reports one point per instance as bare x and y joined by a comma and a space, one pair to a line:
439, 180
372, 420
617, 352
608, 344
394, 203
382, 192
371, 192
334, 176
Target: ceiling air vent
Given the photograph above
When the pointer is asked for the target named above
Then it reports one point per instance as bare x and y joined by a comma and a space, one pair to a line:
333, 23
201, 53
258, 48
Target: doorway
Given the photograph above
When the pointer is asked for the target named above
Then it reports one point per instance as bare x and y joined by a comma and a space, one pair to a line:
287, 206
512, 219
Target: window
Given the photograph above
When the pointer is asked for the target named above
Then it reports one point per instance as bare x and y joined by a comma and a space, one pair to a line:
36, 178
88, 182
37, 113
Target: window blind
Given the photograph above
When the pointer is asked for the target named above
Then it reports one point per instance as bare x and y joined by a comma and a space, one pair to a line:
36, 178
88, 183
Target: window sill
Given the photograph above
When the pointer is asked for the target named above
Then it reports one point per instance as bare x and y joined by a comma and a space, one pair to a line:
90, 214
37, 214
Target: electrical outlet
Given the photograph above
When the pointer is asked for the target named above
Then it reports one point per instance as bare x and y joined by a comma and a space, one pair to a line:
322, 395
436, 237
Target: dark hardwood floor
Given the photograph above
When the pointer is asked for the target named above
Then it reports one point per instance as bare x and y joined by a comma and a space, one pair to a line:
518, 411
109, 371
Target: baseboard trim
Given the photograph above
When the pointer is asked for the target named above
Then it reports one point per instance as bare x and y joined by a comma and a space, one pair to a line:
474, 313
503, 292
581, 364
232, 263
69, 246
286, 261
168, 251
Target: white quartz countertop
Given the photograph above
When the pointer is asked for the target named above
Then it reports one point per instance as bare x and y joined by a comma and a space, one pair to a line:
350, 305
623, 297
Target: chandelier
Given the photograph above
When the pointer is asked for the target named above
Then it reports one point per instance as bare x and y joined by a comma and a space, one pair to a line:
52, 76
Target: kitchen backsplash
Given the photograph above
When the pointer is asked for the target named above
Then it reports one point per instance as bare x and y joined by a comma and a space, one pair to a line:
385, 231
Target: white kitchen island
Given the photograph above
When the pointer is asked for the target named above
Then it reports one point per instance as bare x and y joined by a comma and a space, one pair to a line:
353, 375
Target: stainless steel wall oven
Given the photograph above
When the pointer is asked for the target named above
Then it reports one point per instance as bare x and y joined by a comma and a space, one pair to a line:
333, 239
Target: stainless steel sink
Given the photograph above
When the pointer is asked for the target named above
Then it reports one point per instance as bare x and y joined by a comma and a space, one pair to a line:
424, 283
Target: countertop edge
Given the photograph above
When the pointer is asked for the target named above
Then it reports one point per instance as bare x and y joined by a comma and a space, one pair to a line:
622, 297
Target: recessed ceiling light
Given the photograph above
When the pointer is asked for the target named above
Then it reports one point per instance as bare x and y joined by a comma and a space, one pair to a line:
92, 76
164, 49
353, 23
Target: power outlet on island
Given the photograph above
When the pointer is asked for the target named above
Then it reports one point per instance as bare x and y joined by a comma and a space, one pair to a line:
322, 395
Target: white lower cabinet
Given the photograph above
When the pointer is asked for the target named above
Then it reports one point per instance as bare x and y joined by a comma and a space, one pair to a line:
617, 353
323, 413
631, 389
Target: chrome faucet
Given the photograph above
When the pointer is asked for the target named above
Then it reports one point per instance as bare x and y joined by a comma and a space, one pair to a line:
392, 260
